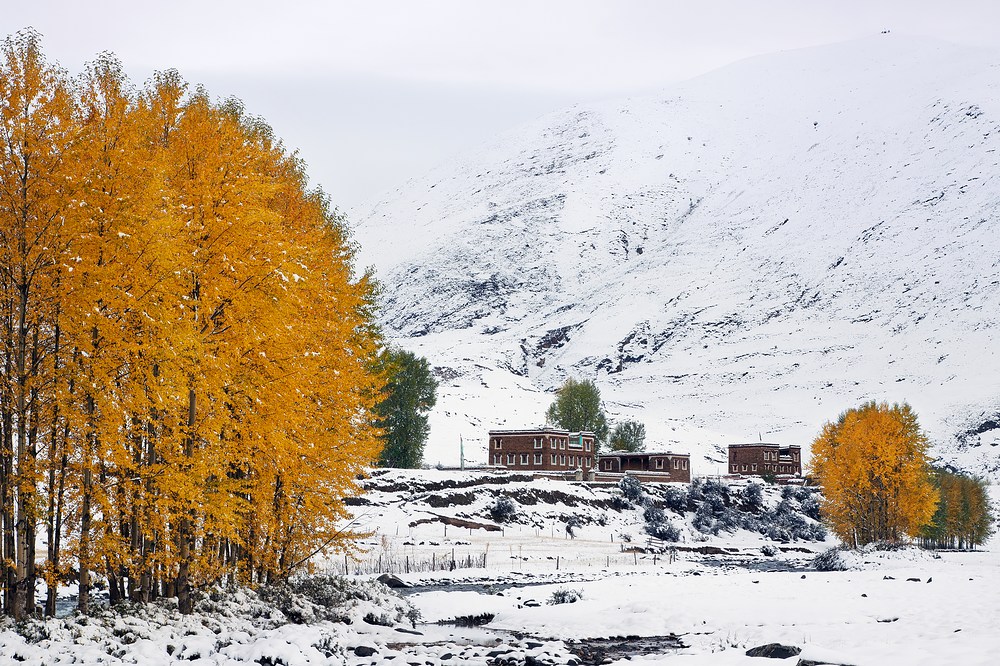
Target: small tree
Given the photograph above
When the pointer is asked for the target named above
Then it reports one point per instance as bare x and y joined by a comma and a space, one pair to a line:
577, 407
403, 413
873, 466
628, 436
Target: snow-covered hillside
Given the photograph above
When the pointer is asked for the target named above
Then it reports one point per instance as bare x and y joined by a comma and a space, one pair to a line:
747, 253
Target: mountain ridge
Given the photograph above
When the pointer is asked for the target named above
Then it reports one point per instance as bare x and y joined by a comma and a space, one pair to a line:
749, 252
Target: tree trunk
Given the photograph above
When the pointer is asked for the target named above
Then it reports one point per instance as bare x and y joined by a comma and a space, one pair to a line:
185, 601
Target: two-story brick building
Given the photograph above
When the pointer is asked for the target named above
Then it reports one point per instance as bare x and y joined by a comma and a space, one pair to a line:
759, 458
664, 467
541, 449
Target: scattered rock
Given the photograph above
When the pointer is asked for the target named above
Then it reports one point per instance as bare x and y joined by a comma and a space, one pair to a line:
774, 651
364, 651
392, 581
913, 580
813, 662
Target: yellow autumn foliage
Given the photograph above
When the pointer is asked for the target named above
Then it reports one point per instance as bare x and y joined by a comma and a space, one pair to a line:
876, 476
187, 358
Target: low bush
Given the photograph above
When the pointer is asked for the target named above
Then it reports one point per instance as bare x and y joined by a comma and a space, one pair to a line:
503, 510
753, 497
631, 488
675, 499
334, 598
715, 512
664, 531
565, 596
653, 514
829, 560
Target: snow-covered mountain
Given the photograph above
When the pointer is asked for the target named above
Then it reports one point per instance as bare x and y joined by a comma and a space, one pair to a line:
745, 254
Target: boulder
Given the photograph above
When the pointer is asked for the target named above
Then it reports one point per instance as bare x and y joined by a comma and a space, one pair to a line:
391, 581
364, 651
774, 651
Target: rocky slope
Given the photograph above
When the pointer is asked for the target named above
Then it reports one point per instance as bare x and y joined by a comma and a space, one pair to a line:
745, 254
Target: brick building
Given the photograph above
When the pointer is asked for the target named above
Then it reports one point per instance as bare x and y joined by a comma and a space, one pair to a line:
761, 458
541, 449
662, 467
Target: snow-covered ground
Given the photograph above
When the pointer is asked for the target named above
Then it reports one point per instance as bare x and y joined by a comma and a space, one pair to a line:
710, 602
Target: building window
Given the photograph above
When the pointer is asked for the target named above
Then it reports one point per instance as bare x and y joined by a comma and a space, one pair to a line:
607, 464
524, 458
734, 468
496, 443
510, 458
562, 444
538, 458
496, 459
586, 445
677, 463
562, 459
553, 457
684, 464
589, 462
659, 463
538, 443
753, 467
744, 468
552, 443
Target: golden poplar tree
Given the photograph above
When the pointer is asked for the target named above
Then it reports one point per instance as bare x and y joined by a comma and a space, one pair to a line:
188, 359
37, 129
873, 466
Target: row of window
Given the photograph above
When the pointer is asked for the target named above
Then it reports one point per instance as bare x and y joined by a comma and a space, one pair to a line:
752, 467
514, 459
539, 443
658, 463
773, 455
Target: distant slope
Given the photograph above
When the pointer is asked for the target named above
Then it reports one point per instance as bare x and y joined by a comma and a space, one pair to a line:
750, 252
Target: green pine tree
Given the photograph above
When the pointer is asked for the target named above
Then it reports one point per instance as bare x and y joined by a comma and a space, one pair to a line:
403, 413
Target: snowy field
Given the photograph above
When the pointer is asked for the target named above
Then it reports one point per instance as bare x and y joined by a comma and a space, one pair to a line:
710, 602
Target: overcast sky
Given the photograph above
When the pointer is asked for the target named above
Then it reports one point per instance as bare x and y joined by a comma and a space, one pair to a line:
374, 92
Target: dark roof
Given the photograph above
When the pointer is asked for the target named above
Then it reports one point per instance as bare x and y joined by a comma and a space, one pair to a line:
767, 444
541, 431
640, 454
